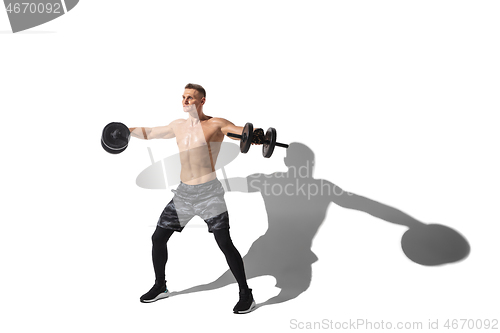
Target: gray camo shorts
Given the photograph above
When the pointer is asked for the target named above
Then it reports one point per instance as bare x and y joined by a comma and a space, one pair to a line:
204, 200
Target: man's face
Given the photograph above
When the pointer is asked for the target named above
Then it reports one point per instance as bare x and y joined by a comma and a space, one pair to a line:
192, 97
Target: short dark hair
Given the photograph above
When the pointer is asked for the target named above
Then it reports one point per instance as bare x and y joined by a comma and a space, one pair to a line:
196, 87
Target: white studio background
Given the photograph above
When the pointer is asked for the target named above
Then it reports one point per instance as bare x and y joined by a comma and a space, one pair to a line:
397, 99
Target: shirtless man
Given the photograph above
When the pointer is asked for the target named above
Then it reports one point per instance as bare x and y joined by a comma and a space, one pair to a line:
199, 193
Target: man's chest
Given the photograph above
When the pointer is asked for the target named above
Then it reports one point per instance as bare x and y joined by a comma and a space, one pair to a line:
189, 137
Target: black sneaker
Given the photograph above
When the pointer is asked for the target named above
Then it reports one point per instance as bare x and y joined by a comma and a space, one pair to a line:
246, 303
155, 293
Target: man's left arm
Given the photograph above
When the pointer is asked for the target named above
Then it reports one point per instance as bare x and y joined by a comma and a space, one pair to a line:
228, 127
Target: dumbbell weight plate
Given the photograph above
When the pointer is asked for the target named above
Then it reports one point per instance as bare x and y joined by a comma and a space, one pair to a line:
268, 148
115, 137
246, 138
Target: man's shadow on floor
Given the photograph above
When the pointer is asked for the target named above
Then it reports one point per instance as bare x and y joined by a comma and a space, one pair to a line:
296, 206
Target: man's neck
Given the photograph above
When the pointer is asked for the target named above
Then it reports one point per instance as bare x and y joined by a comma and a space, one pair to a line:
195, 119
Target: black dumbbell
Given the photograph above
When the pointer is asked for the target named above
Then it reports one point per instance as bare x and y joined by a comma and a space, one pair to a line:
115, 138
246, 140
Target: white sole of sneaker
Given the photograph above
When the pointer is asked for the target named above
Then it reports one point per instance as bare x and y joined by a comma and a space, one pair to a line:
160, 296
252, 307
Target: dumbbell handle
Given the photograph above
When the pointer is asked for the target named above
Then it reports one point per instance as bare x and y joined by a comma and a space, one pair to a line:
234, 135
283, 145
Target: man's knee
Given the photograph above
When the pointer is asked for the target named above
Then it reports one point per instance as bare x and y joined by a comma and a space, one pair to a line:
161, 235
223, 239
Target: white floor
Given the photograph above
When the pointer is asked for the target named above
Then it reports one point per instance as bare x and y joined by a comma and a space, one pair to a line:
397, 101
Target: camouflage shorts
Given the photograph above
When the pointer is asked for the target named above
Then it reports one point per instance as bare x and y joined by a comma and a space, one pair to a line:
204, 200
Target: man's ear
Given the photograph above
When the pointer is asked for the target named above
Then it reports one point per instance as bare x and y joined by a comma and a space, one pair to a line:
203, 100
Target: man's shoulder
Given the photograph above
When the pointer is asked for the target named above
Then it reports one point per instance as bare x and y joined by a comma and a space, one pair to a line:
221, 122
177, 122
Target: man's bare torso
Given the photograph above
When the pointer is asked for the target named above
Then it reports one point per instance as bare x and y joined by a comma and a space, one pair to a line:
199, 146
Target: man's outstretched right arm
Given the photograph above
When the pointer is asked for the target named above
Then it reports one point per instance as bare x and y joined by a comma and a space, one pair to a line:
149, 133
